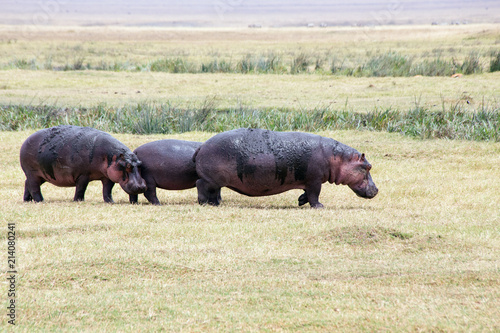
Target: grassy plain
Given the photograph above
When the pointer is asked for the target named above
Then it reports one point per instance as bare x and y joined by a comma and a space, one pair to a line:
421, 256
125, 56
59, 46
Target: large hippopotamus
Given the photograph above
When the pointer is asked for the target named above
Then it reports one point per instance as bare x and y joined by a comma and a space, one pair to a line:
258, 162
73, 156
167, 164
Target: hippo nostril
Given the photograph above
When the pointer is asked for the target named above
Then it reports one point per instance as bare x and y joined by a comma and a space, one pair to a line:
373, 192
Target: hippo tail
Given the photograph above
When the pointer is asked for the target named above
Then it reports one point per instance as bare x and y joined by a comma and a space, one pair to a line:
195, 153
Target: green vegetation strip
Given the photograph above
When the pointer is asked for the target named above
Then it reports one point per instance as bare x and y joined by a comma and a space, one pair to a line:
453, 123
390, 63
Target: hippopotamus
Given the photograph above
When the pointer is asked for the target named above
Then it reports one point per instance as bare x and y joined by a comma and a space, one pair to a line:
167, 164
73, 156
258, 162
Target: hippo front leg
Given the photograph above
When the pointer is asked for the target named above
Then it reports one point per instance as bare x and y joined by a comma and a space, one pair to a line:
312, 191
150, 194
81, 186
133, 198
207, 193
107, 187
32, 190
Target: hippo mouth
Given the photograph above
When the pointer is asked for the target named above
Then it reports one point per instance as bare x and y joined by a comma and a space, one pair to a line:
368, 193
134, 189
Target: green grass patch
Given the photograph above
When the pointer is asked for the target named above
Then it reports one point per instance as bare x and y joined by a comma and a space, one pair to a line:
388, 64
149, 118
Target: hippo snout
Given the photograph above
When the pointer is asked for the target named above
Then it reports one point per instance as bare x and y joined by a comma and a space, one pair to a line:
137, 186
136, 189
369, 193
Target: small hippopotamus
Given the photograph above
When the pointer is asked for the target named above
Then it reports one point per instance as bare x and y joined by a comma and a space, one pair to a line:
167, 164
73, 156
258, 162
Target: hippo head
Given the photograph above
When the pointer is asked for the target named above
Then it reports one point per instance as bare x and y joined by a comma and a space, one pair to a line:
354, 172
124, 170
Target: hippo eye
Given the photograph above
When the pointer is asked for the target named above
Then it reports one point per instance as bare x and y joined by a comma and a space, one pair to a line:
121, 165
364, 170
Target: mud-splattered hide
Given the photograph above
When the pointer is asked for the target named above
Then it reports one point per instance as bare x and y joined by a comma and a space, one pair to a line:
258, 162
73, 156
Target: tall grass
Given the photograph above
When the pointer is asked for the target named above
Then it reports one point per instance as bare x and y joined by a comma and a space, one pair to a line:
177, 65
453, 122
495, 61
378, 65
388, 64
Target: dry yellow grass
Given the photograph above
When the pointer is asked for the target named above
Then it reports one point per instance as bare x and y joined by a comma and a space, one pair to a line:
90, 88
421, 256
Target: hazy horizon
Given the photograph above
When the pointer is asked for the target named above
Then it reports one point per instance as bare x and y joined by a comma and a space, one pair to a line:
234, 13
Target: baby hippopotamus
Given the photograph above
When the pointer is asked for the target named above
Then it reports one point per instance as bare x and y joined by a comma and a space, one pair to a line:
73, 156
167, 164
258, 162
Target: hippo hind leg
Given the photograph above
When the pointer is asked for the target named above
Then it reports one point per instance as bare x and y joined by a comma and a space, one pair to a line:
32, 189
207, 193
312, 192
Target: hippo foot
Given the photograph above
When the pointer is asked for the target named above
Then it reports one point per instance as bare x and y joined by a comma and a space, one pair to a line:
208, 202
303, 199
31, 199
109, 200
317, 206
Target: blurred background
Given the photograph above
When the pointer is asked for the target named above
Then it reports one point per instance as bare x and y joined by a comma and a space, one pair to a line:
243, 13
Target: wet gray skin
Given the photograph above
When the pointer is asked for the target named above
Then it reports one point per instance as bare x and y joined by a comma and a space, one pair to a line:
258, 162
167, 164
70, 156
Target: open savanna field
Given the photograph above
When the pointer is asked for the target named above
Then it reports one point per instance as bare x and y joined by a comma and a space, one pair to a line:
423, 255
